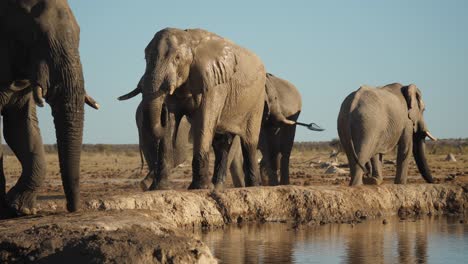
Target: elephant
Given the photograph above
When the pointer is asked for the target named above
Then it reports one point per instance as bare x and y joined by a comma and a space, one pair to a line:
374, 121
276, 137
176, 154
217, 84
39, 59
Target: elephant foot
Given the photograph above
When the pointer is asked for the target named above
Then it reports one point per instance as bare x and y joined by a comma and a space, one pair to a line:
160, 186
200, 184
251, 183
145, 185
219, 187
22, 202
373, 181
356, 182
284, 182
265, 181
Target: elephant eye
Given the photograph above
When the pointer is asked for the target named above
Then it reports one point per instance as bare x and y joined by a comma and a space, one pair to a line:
177, 57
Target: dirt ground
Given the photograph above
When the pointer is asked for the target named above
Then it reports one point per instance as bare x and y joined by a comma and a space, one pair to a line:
119, 223
111, 173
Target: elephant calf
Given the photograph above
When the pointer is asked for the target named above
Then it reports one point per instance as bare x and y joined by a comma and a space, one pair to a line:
373, 121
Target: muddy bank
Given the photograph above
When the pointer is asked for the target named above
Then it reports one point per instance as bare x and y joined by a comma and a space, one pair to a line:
314, 204
133, 236
149, 227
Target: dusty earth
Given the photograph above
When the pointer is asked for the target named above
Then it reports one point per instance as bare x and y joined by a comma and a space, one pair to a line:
108, 173
121, 224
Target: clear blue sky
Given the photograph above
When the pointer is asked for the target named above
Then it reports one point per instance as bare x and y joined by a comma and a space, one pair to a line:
326, 48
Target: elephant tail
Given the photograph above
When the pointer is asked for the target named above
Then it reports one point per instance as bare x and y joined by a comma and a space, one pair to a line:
356, 158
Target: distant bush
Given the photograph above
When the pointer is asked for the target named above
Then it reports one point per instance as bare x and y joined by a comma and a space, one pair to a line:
443, 146
440, 147
110, 148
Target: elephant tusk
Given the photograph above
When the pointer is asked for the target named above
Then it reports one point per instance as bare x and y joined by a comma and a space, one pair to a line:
38, 96
431, 136
131, 94
289, 122
91, 102
172, 89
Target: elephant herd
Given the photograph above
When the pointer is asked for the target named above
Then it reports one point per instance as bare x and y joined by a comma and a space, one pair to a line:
197, 87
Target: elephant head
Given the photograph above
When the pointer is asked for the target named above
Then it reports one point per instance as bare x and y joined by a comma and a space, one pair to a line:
42, 43
170, 57
416, 109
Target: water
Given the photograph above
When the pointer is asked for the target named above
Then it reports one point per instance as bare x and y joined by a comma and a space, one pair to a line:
426, 240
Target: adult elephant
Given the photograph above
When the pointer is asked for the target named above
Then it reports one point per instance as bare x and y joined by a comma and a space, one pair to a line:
276, 137
373, 121
176, 154
39, 53
217, 84
283, 102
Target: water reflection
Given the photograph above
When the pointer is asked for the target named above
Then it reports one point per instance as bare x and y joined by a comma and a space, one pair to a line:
427, 240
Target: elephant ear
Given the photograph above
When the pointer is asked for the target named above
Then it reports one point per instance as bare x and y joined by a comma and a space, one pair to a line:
410, 93
214, 62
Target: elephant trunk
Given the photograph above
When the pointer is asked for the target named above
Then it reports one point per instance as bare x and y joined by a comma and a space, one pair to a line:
67, 102
152, 111
419, 146
69, 131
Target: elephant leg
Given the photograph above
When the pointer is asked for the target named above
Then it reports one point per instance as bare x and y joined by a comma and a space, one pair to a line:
200, 165
284, 168
369, 169
22, 134
3, 203
356, 175
149, 149
163, 166
237, 171
287, 141
170, 152
235, 162
221, 146
405, 146
355, 170
249, 153
269, 168
203, 133
375, 171
361, 163
269, 147
146, 183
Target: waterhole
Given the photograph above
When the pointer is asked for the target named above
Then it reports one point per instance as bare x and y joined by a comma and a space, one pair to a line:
423, 240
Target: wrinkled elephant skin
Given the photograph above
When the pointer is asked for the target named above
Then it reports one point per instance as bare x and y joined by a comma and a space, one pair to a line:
374, 121
39, 51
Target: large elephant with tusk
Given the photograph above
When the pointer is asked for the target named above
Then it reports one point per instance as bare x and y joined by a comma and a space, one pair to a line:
282, 108
39, 60
374, 121
218, 85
